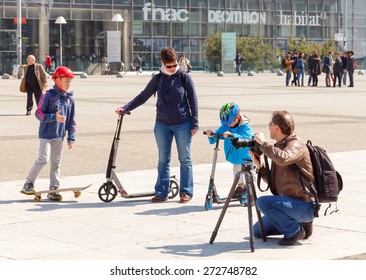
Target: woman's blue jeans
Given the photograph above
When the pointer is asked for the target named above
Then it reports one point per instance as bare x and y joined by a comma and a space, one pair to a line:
283, 215
183, 137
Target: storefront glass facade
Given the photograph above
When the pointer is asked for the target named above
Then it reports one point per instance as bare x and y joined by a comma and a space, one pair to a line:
150, 25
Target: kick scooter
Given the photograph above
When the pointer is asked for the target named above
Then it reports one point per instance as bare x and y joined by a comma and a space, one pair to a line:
109, 190
212, 195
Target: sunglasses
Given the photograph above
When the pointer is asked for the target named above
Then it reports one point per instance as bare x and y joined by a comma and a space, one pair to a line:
171, 66
271, 123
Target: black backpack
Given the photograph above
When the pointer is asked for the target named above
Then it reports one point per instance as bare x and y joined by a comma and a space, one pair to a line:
283, 64
327, 181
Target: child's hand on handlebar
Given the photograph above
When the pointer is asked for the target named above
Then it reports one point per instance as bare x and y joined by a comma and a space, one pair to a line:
226, 134
209, 133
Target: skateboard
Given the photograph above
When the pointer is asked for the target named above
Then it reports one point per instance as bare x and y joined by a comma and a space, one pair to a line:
77, 192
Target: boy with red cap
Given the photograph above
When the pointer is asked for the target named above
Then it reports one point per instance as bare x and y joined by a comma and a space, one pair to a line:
55, 112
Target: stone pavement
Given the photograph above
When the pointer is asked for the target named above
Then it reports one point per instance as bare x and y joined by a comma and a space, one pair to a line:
135, 229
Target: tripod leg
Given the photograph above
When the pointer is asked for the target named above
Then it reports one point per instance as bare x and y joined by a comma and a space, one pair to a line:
223, 211
260, 221
250, 214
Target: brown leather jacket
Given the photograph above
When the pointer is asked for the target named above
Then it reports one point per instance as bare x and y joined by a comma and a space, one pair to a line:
40, 74
284, 180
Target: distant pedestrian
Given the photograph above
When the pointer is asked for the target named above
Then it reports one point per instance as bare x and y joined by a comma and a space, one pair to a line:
184, 63
48, 63
344, 59
300, 69
288, 67
328, 68
137, 63
34, 82
104, 65
350, 68
238, 61
337, 70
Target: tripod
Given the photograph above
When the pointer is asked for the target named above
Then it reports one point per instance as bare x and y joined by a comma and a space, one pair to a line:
246, 169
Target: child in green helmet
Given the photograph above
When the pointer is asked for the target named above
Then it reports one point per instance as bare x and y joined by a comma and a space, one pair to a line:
235, 124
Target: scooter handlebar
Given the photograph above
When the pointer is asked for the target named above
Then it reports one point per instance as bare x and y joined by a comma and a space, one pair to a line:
218, 135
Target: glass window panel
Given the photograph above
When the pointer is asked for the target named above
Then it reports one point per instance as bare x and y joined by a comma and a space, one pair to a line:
161, 29
216, 4
81, 14
198, 15
102, 15
198, 3
179, 29
181, 45
198, 30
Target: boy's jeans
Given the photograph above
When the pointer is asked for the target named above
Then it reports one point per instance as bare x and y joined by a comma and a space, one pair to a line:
183, 138
283, 215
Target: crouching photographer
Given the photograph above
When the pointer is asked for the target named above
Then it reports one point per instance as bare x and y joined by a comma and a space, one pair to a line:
290, 210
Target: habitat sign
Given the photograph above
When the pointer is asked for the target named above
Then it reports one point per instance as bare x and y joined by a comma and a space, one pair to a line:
150, 12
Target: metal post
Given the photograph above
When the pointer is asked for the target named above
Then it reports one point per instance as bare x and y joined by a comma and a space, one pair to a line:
60, 45
19, 36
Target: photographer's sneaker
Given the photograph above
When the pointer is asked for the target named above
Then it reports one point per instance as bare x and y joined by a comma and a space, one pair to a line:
54, 196
28, 188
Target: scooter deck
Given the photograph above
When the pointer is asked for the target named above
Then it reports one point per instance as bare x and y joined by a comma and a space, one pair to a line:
137, 195
77, 192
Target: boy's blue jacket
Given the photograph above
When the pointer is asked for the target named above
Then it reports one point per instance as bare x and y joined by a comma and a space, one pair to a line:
52, 101
176, 101
242, 131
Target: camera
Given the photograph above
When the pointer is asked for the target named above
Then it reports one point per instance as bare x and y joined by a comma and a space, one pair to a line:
245, 143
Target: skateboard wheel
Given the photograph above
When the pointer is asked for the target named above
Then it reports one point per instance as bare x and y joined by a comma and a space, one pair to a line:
77, 194
37, 198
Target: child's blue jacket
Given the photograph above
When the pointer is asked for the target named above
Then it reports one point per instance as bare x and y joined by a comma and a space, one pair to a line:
243, 130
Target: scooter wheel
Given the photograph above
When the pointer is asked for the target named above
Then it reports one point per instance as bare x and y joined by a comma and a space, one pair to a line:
243, 199
173, 188
208, 203
107, 192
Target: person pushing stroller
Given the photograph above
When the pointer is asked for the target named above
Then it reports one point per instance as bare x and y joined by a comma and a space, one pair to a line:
236, 125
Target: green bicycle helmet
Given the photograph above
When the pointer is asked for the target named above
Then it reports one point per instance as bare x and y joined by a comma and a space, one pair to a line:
228, 112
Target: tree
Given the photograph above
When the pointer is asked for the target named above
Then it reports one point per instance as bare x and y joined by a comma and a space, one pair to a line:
213, 52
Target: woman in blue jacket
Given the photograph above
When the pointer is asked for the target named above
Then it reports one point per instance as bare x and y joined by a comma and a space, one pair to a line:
176, 116
237, 125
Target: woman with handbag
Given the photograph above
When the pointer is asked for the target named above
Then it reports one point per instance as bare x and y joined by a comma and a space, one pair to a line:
184, 63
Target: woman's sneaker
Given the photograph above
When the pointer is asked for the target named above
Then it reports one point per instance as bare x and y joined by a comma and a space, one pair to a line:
28, 188
54, 196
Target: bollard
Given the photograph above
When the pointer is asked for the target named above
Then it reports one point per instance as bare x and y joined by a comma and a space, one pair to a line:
119, 75
83, 75
6, 76
220, 74
250, 73
279, 73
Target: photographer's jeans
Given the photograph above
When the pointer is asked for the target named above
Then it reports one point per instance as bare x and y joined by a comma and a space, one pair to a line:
283, 215
183, 137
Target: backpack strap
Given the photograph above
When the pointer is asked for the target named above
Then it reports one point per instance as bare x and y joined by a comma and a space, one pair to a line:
312, 190
259, 177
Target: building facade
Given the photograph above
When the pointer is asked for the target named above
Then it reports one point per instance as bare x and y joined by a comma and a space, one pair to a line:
150, 25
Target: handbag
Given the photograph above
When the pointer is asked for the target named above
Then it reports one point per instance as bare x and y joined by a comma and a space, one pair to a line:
189, 68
